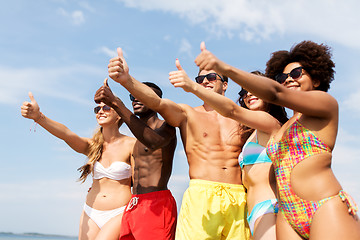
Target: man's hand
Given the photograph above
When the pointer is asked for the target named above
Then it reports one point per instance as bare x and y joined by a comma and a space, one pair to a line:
118, 68
31, 109
207, 61
181, 79
105, 95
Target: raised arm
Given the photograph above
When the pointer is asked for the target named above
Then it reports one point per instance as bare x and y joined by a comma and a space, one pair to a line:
270, 90
255, 119
146, 135
31, 110
119, 71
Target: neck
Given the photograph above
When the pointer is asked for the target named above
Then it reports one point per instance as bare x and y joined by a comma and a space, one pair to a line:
207, 107
149, 118
111, 133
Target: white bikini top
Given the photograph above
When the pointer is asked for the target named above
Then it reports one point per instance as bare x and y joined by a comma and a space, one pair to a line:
116, 171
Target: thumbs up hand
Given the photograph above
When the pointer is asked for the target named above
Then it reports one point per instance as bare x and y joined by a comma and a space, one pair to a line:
31, 109
181, 79
208, 61
105, 95
118, 68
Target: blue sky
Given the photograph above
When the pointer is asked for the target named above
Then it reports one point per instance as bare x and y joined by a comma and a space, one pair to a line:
59, 50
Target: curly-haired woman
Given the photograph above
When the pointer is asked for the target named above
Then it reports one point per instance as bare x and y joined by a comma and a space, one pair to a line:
109, 154
312, 203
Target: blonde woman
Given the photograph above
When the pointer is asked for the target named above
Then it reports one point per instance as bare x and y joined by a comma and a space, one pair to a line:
109, 154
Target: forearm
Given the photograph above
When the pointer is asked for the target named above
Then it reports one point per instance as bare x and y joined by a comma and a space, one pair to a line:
139, 128
62, 132
263, 87
218, 102
143, 93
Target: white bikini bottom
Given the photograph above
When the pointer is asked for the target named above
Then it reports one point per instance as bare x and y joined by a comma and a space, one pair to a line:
102, 217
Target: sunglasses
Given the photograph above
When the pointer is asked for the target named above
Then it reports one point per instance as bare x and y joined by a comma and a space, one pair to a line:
210, 77
295, 74
243, 93
132, 98
105, 108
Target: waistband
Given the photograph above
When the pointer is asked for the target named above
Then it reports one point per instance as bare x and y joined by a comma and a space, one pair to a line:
153, 195
87, 208
212, 184
148, 198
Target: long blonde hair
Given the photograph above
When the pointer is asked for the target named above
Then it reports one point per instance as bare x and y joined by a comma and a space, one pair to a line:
94, 154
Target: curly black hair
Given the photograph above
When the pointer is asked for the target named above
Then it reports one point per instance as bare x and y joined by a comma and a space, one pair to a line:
276, 111
314, 58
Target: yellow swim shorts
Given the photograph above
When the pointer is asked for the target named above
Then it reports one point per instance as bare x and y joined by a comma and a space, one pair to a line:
213, 210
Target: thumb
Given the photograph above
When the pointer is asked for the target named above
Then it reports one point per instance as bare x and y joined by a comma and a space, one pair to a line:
120, 52
202, 46
106, 82
177, 63
31, 96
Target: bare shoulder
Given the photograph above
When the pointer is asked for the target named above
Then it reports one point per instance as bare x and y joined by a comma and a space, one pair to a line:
129, 141
313, 103
186, 107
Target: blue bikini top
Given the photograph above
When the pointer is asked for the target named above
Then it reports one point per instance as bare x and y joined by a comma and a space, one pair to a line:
253, 153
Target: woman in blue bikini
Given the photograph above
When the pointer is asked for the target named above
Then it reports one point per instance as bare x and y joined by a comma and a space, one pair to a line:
257, 172
109, 154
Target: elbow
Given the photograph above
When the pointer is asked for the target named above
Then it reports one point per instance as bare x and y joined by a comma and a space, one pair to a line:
227, 111
273, 95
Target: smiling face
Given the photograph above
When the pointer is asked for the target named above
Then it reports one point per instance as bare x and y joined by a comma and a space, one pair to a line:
217, 86
139, 108
106, 116
254, 103
303, 83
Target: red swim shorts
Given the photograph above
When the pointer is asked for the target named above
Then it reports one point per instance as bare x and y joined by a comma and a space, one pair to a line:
150, 216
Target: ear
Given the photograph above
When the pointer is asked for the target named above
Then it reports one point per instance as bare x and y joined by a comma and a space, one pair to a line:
316, 83
225, 86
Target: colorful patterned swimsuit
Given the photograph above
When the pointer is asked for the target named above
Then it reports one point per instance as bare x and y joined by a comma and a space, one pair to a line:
297, 144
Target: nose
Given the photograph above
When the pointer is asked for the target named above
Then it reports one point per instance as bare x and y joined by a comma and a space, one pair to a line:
288, 80
205, 79
101, 109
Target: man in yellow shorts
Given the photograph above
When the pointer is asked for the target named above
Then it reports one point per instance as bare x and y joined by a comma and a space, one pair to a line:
213, 206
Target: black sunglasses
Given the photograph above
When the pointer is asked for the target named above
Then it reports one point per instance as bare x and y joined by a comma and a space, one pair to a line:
210, 77
105, 108
243, 93
132, 98
295, 74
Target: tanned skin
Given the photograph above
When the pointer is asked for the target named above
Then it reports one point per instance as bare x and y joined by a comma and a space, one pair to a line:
212, 142
155, 146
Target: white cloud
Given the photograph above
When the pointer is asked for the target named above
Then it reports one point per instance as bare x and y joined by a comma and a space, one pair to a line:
76, 17
351, 101
108, 52
87, 6
55, 82
167, 38
344, 154
185, 47
257, 20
